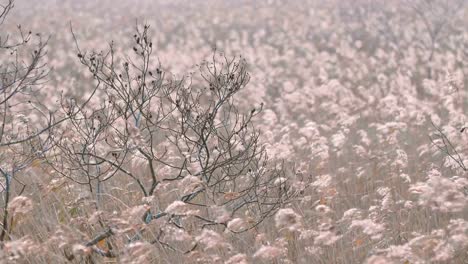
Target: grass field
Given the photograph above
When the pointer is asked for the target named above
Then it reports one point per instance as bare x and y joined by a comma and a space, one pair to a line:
302, 131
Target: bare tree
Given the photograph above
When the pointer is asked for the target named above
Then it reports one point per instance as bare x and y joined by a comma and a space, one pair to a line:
27, 125
22, 141
442, 143
156, 130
